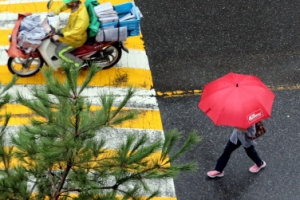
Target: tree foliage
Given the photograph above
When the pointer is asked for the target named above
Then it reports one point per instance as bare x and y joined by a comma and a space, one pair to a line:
59, 156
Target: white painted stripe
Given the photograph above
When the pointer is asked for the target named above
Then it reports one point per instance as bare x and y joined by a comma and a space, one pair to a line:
165, 187
7, 20
142, 99
114, 137
134, 59
3, 54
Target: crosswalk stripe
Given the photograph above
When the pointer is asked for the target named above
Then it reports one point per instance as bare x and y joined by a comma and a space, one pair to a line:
106, 153
142, 98
146, 119
114, 137
133, 69
118, 77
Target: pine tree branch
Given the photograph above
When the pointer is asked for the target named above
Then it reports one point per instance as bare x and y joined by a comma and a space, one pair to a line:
129, 94
93, 71
34, 185
72, 77
7, 117
9, 85
62, 182
50, 174
136, 176
126, 193
191, 141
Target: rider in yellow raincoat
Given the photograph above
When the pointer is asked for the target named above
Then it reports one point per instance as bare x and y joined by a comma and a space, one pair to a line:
74, 34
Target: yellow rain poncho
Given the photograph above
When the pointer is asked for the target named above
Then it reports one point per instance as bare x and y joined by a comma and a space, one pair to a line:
75, 32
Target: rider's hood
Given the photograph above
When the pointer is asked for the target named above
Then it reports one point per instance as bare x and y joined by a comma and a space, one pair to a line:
68, 1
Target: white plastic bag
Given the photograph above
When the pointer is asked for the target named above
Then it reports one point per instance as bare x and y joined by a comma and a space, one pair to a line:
30, 22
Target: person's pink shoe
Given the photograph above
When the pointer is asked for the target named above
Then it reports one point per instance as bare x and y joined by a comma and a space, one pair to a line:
215, 173
255, 168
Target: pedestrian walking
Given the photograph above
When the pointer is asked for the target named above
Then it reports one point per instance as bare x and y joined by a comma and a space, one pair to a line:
239, 137
240, 101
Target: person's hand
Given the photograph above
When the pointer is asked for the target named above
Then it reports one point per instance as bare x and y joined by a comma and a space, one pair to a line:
51, 14
59, 32
55, 38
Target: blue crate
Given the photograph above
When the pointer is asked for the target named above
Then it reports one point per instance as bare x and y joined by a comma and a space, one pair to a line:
133, 25
124, 8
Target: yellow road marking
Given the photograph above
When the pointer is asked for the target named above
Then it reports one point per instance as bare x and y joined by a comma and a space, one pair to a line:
4, 36
146, 119
107, 153
118, 77
135, 42
184, 93
178, 93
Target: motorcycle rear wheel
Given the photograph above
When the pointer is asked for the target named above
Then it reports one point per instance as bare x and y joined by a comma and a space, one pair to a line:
25, 67
107, 60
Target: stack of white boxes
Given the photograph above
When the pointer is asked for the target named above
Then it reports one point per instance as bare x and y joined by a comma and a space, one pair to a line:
106, 14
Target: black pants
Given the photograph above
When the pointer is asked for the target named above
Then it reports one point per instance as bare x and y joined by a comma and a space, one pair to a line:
230, 147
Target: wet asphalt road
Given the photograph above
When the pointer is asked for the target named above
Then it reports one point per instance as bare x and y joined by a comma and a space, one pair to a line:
190, 43
279, 147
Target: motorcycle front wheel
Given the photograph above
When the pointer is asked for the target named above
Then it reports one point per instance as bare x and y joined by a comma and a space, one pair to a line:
25, 67
108, 57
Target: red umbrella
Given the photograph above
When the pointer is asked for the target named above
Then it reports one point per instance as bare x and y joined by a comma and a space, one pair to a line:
237, 100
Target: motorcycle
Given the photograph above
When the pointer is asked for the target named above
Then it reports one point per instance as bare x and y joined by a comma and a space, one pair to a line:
100, 54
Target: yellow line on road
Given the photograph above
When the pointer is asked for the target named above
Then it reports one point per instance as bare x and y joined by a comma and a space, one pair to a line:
183, 93
178, 93
115, 77
146, 119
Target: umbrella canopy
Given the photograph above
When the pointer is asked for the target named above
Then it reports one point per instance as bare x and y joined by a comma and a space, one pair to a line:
237, 100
